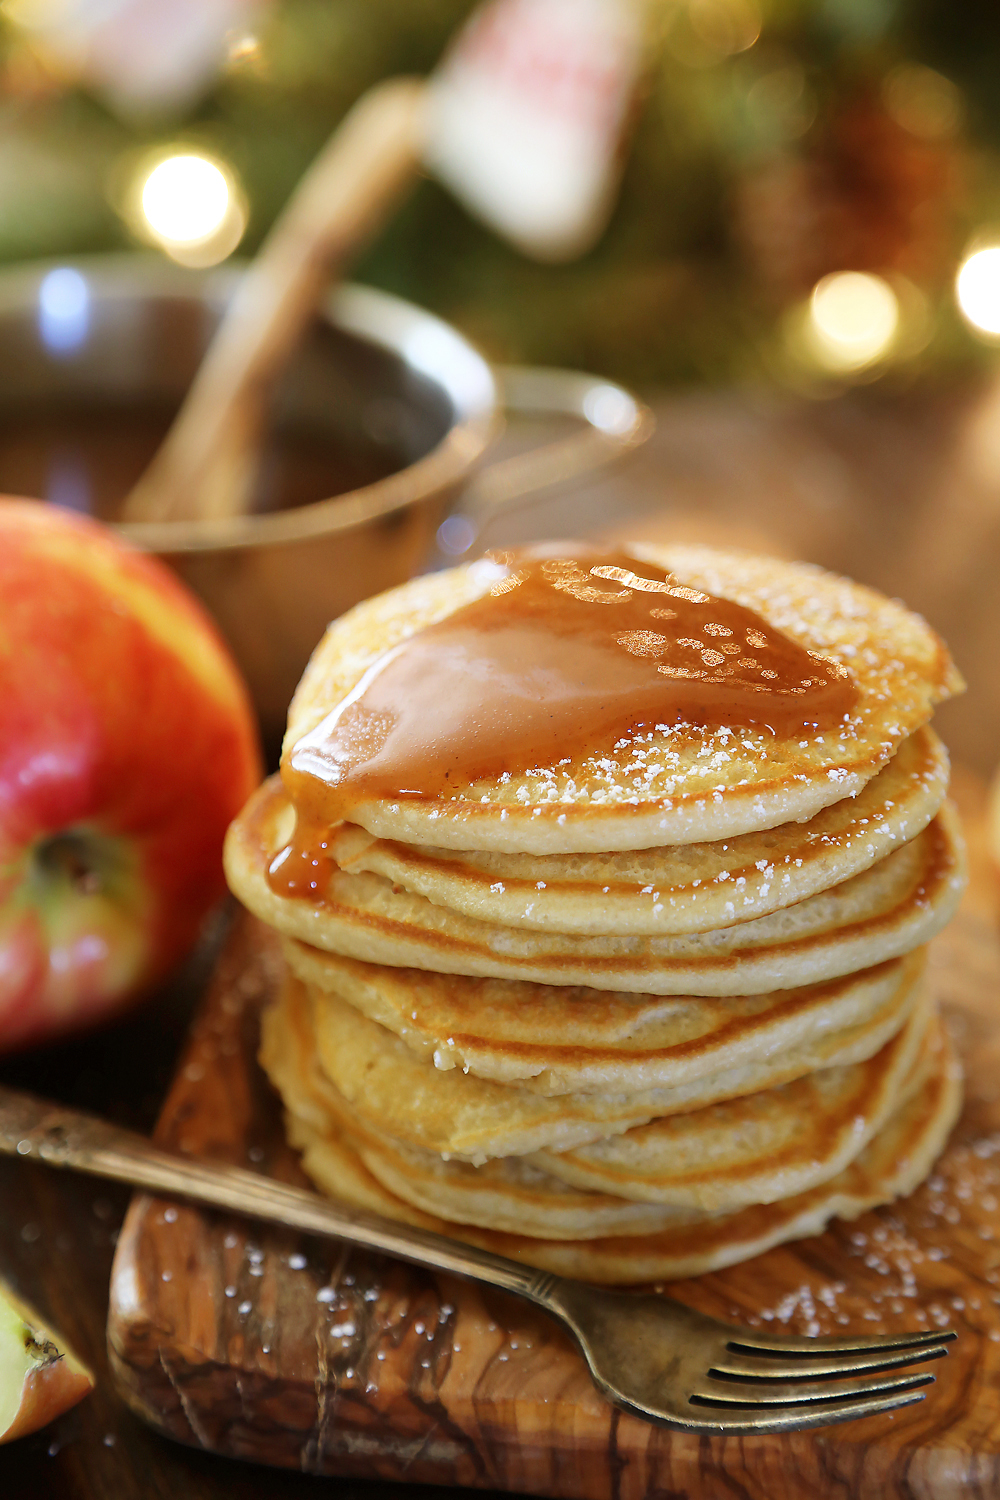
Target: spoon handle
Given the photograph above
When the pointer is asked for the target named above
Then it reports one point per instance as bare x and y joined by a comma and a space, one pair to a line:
206, 464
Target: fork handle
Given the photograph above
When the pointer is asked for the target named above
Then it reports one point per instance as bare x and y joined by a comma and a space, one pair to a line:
62, 1137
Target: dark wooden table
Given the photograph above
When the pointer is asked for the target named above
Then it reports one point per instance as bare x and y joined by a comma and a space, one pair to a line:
893, 491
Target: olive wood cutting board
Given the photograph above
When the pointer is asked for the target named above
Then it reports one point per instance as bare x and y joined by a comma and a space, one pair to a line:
271, 1346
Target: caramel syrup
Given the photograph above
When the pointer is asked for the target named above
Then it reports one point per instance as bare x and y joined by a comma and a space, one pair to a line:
562, 657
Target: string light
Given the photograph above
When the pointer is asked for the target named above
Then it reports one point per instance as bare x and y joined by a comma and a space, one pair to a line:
190, 205
977, 290
853, 320
185, 199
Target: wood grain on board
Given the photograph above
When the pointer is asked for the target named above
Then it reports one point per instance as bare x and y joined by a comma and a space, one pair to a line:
271, 1346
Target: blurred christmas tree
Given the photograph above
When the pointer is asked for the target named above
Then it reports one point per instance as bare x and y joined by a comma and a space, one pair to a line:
779, 143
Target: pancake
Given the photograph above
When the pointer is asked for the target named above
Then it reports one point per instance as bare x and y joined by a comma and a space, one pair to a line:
676, 783
753, 1150
897, 904
555, 1039
504, 1187
515, 1196
678, 889
605, 942
892, 1164
459, 1115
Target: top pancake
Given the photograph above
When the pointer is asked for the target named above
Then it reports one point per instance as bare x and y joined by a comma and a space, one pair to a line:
677, 784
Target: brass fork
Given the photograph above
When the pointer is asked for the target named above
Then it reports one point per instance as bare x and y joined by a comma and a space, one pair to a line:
649, 1354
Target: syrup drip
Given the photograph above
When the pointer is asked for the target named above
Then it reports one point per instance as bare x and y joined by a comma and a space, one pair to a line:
303, 868
563, 657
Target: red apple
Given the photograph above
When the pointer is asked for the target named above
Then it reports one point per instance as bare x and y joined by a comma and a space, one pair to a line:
39, 1378
127, 744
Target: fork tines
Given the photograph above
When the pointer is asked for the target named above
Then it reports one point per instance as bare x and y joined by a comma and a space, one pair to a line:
787, 1383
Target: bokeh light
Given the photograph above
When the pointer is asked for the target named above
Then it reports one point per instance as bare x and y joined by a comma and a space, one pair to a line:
190, 205
853, 320
63, 310
244, 48
701, 33
977, 289
725, 26
185, 199
925, 103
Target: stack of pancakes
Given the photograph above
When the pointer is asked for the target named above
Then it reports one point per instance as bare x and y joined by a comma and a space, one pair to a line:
647, 1010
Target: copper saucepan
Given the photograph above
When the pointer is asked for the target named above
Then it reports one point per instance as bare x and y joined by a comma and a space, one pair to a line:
400, 403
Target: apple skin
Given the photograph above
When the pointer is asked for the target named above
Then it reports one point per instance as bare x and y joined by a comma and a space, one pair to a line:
127, 745
39, 1377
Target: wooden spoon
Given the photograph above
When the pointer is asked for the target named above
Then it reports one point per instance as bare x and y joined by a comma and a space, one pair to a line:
207, 462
